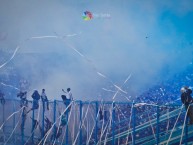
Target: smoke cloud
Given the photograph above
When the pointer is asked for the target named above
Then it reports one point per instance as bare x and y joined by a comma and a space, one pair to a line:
148, 40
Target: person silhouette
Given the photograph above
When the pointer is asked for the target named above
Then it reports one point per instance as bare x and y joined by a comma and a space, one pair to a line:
187, 100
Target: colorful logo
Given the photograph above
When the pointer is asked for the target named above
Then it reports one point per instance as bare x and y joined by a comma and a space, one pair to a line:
87, 15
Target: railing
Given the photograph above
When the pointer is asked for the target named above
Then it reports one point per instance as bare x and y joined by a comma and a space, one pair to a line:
93, 123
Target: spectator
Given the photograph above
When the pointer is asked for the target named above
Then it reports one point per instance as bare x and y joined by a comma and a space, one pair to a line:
68, 94
67, 98
23, 97
56, 134
36, 97
100, 114
63, 119
34, 124
2, 99
187, 100
48, 125
45, 99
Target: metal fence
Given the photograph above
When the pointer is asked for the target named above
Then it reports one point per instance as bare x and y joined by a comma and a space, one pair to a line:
94, 122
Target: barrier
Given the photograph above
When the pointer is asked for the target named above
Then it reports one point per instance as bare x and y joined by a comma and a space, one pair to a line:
94, 122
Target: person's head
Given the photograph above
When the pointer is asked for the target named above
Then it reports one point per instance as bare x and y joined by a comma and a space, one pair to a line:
43, 90
68, 90
186, 87
183, 90
35, 91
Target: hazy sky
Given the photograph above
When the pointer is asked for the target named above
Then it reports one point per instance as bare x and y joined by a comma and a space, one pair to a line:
145, 41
